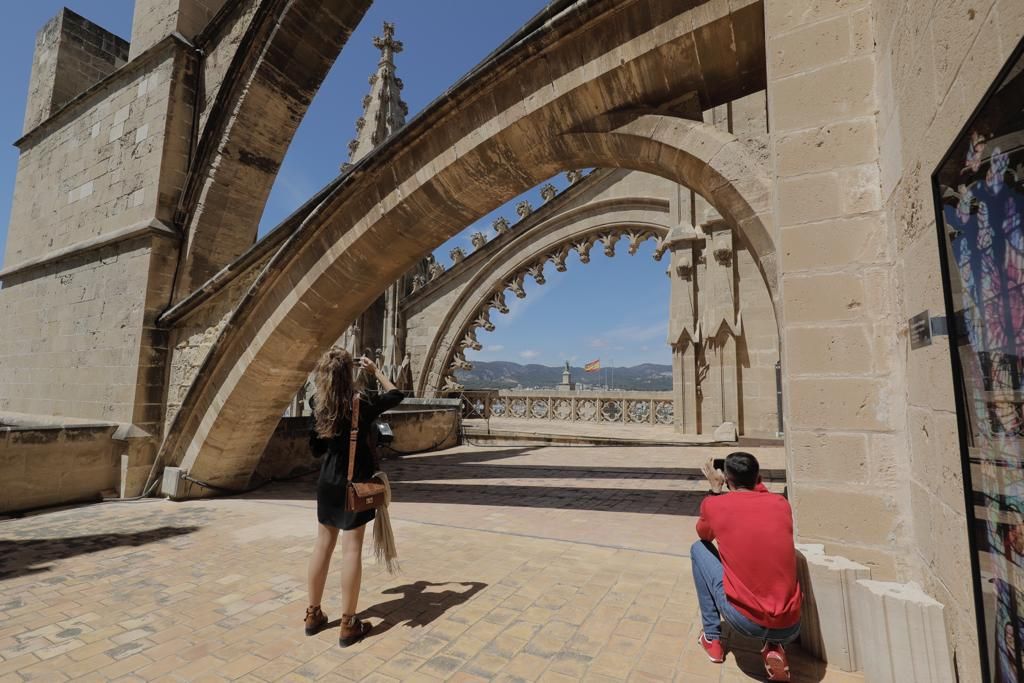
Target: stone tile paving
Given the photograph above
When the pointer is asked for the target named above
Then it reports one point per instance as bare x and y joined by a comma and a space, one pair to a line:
214, 590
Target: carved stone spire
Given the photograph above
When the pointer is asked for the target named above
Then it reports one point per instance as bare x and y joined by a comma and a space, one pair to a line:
384, 111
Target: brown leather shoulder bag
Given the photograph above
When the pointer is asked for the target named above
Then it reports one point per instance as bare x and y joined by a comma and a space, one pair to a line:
360, 495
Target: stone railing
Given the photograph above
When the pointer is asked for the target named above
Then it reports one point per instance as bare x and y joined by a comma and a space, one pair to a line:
609, 407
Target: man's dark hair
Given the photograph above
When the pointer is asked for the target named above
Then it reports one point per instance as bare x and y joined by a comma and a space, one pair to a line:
742, 469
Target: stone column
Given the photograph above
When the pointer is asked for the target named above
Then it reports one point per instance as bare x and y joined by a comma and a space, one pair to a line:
683, 335
155, 19
719, 325
684, 386
843, 388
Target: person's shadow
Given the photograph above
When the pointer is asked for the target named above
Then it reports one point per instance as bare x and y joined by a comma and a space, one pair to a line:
416, 606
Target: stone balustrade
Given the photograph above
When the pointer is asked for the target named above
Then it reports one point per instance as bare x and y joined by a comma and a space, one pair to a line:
622, 407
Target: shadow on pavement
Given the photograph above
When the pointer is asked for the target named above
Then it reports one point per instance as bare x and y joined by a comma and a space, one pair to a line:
646, 501
747, 653
24, 557
441, 478
417, 606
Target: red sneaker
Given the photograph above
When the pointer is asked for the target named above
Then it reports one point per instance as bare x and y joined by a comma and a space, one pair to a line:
713, 649
775, 662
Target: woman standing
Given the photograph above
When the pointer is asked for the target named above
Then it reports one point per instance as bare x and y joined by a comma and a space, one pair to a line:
335, 388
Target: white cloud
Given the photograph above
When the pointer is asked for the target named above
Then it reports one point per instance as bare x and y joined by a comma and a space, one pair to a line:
496, 348
598, 343
529, 354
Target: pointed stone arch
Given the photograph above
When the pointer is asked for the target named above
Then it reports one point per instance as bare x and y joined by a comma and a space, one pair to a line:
474, 149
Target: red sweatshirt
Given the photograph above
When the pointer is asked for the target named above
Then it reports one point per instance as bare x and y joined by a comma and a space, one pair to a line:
754, 530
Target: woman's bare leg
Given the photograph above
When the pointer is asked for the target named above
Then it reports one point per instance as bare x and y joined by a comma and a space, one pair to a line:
351, 568
320, 562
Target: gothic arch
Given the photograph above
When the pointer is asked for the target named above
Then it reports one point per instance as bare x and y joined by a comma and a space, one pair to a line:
536, 108
630, 221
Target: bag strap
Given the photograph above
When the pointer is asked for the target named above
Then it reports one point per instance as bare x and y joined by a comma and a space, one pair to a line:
353, 436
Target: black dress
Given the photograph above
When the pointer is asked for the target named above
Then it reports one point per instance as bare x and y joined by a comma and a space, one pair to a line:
330, 490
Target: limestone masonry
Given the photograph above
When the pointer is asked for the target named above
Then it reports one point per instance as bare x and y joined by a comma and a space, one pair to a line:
777, 153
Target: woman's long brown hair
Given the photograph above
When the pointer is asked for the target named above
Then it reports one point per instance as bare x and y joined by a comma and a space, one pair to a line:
335, 387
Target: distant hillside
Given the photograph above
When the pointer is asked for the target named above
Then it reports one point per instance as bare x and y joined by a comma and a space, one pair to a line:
506, 375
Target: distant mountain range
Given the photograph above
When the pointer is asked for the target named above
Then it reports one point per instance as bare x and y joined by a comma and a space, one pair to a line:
506, 375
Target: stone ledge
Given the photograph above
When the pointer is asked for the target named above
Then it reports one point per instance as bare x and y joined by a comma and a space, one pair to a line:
904, 630
893, 632
826, 629
154, 227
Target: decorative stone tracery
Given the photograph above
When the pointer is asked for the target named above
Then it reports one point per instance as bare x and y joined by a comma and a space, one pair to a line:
514, 283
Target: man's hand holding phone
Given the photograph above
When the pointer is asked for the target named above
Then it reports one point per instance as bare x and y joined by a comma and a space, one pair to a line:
714, 471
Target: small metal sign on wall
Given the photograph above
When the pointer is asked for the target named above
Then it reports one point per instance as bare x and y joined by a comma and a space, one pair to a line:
979, 202
920, 328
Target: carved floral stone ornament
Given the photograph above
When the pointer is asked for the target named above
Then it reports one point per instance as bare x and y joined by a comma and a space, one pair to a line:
483, 319
500, 225
457, 255
574, 176
524, 208
479, 239
434, 269
683, 263
548, 192
497, 302
450, 385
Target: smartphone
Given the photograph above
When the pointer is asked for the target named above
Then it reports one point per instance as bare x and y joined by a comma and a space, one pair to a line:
719, 464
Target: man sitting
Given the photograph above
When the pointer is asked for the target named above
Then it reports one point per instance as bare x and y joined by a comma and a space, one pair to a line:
750, 579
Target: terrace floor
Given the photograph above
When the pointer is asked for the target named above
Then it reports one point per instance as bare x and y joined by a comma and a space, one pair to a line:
521, 563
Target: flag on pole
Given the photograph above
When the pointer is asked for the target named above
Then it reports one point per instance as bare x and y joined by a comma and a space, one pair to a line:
592, 366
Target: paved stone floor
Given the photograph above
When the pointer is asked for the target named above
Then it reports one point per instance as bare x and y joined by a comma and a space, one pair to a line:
551, 564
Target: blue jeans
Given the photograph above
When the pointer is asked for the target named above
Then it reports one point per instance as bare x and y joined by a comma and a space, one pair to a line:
707, 575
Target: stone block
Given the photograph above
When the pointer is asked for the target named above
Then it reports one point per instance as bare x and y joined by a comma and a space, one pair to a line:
820, 456
725, 432
783, 16
904, 630
844, 404
809, 198
826, 627
833, 350
824, 96
849, 143
824, 298
862, 188
821, 43
844, 515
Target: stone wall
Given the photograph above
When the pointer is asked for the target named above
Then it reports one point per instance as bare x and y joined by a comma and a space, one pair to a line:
865, 98
288, 453
96, 167
417, 425
90, 256
935, 60
841, 355
154, 19
42, 466
194, 334
72, 54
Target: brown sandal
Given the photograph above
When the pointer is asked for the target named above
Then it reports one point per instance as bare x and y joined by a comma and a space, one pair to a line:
352, 630
315, 620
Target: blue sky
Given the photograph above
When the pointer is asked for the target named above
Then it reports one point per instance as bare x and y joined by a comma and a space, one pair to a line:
613, 309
